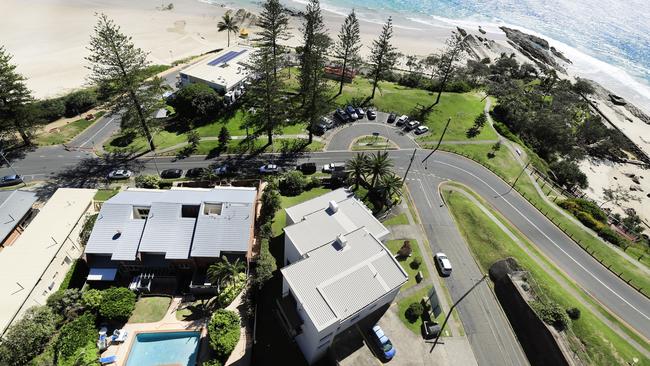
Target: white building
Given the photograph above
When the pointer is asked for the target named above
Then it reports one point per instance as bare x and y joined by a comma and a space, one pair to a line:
224, 72
339, 271
36, 263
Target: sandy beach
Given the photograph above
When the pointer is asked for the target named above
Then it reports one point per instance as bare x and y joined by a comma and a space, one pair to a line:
48, 38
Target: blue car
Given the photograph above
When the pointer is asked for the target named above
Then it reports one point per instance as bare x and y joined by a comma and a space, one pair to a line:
384, 344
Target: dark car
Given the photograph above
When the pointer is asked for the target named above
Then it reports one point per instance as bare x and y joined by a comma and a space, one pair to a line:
195, 172
171, 173
307, 168
371, 114
391, 118
318, 129
10, 180
352, 113
341, 116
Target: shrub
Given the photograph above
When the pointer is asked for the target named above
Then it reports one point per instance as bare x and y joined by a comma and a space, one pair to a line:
76, 334
193, 138
314, 182
266, 265
414, 312
293, 183
92, 299
228, 294
573, 313
86, 230
270, 202
416, 262
51, 109
224, 136
224, 330
406, 249
195, 101
147, 181
551, 313
28, 336
67, 303
118, 303
212, 363
79, 102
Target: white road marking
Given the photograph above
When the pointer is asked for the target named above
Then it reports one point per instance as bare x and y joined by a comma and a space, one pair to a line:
549, 239
98, 131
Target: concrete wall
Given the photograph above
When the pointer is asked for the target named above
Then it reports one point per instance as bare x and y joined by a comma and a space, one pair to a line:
291, 254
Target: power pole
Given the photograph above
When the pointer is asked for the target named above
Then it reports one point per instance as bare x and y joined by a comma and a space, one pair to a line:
452, 309
519, 176
409, 167
439, 142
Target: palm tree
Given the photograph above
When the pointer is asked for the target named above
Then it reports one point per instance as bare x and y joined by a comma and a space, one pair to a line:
225, 271
390, 185
228, 23
359, 166
380, 166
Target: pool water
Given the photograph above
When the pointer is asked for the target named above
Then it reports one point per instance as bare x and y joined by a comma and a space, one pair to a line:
164, 348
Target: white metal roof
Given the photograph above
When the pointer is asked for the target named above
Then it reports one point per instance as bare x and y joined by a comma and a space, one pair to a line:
23, 263
13, 206
299, 211
333, 282
226, 74
119, 234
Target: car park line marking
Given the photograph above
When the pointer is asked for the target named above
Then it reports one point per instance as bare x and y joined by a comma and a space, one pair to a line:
549, 239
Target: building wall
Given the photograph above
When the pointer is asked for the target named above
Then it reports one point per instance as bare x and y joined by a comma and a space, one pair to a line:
291, 254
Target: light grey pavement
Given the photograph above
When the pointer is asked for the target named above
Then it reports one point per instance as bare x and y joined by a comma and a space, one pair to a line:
94, 136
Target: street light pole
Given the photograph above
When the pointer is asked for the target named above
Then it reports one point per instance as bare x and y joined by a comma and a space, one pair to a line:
155, 163
439, 142
519, 176
409, 167
452, 309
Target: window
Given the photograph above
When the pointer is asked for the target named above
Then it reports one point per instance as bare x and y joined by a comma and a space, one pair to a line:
323, 345
140, 213
212, 208
66, 260
324, 338
55, 274
190, 211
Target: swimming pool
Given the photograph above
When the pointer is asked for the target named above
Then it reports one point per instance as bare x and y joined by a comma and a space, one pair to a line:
164, 348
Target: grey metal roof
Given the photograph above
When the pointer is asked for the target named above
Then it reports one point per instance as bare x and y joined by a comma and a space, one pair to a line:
13, 207
323, 226
297, 212
166, 231
333, 283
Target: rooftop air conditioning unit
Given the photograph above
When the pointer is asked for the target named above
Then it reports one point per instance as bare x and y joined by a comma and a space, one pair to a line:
343, 242
334, 207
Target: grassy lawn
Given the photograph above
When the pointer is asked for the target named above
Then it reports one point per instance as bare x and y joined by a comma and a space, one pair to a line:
372, 143
400, 219
65, 133
489, 243
393, 246
280, 219
505, 166
150, 309
212, 147
105, 194
415, 326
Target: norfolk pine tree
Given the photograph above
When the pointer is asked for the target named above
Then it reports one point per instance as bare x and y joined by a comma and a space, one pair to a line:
15, 98
115, 61
382, 55
455, 49
274, 24
348, 46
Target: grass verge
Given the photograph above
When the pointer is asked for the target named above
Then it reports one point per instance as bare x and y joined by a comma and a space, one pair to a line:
105, 194
66, 132
150, 309
400, 219
407, 262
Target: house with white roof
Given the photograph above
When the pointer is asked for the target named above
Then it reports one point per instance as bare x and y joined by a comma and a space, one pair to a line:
224, 72
170, 233
15, 213
338, 270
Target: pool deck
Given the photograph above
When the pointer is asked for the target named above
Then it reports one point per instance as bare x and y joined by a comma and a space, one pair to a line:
168, 323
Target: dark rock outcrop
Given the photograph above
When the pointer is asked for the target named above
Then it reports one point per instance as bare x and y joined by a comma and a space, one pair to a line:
535, 48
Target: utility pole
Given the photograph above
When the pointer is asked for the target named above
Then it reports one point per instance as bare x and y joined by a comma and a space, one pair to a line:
452, 309
519, 176
409, 167
439, 142
155, 162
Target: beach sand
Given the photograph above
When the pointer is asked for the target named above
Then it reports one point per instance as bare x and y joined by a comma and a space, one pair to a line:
48, 39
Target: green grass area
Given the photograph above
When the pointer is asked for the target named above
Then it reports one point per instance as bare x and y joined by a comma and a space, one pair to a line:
150, 309
504, 165
65, 133
372, 143
400, 219
489, 243
105, 194
406, 262
415, 326
212, 147
280, 219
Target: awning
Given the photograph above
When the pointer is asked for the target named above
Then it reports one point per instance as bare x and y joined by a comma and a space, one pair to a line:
102, 274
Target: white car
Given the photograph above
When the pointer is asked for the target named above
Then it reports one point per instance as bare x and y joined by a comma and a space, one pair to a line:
333, 167
269, 169
443, 263
421, 129
411, 125
402, 120
120, 174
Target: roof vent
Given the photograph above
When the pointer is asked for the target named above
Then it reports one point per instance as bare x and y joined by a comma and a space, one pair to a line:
334, 207
342, 241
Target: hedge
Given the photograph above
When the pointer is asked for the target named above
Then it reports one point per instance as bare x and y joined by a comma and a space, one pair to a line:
118, 303
224, 330
76, 334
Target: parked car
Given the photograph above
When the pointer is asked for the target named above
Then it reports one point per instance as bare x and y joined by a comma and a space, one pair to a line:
371, 114
410, 125
327, 122
333, 167
307, 168
10, 180
120, 174
383, 342
318, 129
171, 173
269, 169
402, 120
391, 118
360, 112
443, 264
195, 172
352, 113
341, 116
222, 170
421, 129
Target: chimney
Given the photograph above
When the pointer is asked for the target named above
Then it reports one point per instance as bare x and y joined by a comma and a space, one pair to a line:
334, 207
343, 242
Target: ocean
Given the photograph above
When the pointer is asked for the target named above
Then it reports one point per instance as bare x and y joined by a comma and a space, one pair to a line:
607, 40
